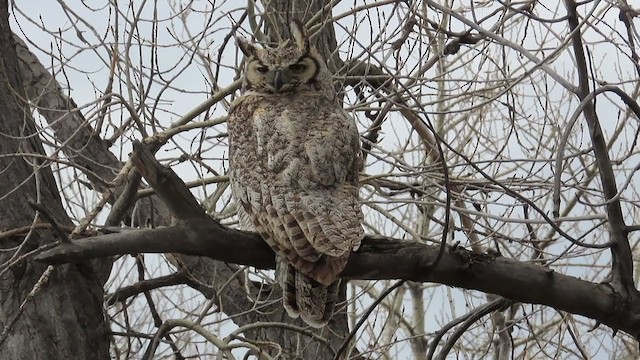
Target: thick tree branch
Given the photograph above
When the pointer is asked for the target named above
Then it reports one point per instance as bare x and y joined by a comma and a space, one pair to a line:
377, 258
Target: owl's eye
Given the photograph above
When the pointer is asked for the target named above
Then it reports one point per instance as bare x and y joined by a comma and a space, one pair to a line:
297, 68
262, 69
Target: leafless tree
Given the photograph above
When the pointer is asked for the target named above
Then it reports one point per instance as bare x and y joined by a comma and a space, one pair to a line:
500, 188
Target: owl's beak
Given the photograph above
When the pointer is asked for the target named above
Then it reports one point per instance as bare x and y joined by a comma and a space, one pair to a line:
279, 79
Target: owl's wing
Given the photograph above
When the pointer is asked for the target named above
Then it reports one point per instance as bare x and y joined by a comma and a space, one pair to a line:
331, 202
315, 231
333, 217
300, 228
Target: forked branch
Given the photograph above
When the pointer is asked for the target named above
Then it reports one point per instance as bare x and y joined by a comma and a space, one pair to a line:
622, 262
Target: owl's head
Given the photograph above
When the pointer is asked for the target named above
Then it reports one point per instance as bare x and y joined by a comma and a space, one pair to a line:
291, 66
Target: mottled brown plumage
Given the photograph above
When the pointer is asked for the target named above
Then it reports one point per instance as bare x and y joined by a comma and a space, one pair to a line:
294, 155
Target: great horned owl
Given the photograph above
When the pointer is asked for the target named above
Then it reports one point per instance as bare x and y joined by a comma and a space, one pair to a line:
294, 159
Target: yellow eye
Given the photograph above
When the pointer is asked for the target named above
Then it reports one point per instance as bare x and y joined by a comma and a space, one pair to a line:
297, 68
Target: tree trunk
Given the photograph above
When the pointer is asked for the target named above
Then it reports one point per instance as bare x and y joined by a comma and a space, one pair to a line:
59, 315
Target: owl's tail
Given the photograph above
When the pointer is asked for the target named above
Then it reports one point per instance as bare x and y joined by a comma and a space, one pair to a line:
306, 298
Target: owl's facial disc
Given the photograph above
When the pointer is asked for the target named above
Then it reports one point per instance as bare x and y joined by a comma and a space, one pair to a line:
283, 77
303, 71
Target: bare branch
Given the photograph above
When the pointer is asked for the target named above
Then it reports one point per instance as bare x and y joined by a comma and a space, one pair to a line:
622, 264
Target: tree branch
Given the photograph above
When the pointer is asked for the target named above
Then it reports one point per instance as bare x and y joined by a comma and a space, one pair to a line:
378, 258
622, 261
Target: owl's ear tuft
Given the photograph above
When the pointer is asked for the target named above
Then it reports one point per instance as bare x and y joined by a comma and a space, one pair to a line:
299, 34
246, 46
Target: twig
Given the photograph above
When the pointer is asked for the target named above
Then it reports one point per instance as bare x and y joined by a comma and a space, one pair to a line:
365, 316
170, 324
43, 280
587, 101
466, 320
622, 260
126, 292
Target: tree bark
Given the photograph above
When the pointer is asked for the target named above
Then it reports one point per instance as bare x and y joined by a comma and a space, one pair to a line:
59, 315
281, 13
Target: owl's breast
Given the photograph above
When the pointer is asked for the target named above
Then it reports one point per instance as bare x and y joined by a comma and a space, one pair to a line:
279, 138
306, 143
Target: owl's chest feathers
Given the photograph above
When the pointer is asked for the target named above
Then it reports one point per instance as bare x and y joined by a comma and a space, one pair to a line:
296, 140
278, 138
